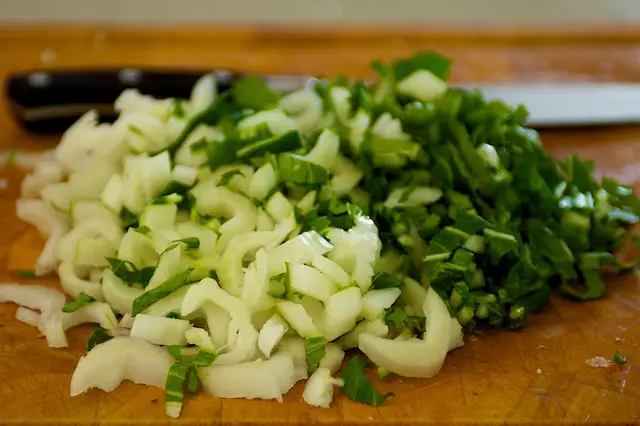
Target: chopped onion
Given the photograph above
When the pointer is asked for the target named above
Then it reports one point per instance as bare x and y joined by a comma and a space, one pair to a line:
414, 357
28, 316
118, 359
257, 379
49, 222
318, 391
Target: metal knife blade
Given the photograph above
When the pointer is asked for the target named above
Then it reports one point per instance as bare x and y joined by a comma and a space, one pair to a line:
569, 104
51, 100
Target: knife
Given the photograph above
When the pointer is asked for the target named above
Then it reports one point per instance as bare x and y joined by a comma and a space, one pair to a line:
51, 100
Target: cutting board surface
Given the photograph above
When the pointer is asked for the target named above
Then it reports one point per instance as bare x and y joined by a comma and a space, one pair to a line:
535, 375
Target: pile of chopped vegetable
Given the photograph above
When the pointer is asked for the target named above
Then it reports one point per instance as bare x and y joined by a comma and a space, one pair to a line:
245, 239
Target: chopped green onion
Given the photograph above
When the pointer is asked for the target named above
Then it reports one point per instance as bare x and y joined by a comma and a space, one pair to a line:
82, 300
150, 297
315, 352
358, 387
618, 358
97, 336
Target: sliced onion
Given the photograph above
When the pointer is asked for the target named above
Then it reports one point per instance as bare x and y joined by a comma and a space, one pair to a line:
28, 316
96, 312
118, 359
414, 357
257, 379
74, 285
49, 222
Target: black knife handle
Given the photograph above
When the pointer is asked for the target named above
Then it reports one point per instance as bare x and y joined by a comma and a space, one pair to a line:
51, 100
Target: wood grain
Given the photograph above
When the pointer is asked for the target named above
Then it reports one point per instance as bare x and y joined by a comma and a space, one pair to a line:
493, 378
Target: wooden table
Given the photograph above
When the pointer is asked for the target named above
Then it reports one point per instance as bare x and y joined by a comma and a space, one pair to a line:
494, 377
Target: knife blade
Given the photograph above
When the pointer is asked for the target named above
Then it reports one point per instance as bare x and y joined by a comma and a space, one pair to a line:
51, 100
569, 104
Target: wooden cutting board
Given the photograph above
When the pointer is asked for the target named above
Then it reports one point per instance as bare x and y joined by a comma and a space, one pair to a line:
535, 375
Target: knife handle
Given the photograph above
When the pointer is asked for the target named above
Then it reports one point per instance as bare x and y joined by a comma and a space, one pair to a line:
51, 100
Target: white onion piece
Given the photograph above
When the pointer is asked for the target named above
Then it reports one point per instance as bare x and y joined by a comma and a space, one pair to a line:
271, 333
126, 321
256, 281
456, 336
74, 285
47, 300
96, 312
118, 359
117, 294
45, 173
160, 330
50, 223
414, 357
246, 345
318, 391
199, 337
333, 357
28, 316
257, 379
295, 347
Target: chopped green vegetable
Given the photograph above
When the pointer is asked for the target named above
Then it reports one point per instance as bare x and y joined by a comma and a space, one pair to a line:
618, 358
253, 92
431, 61
129, 219
174, 388
386, 280
295, 169
150, 297
398, 319
315, 352
383, 374
358, 387
26, 274
289, 141
191, 243
82, 300
227, 176
173, 315
193, 384
129, 273
97, 336
167, 199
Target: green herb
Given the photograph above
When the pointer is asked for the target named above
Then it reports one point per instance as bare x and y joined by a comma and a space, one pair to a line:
129, 219
227, 176
82, 300
97, 336
220, 107
193, 384
150, 297
253, 92
383, 373
173, 315
135, 130
398, 319
200, 145
295, 169
315, 352
285, 142
386, 280
431, 61
177, 109
129, 273
191, 243
167, 199
26, 274
358, 387
618, 358
174, 388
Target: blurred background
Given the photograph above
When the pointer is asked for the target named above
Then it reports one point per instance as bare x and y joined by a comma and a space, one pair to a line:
476, 12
